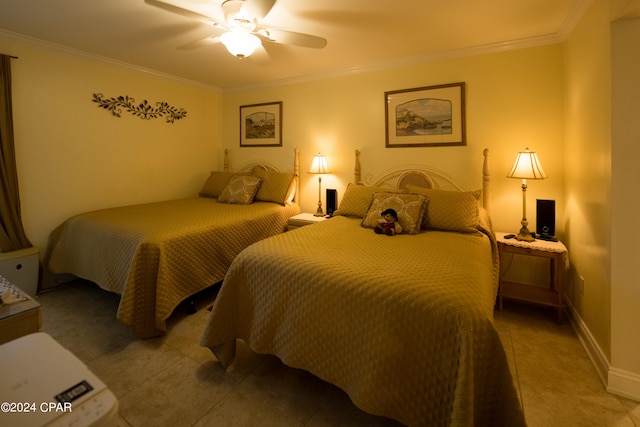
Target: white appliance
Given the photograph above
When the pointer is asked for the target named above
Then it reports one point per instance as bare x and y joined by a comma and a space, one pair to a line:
44, 384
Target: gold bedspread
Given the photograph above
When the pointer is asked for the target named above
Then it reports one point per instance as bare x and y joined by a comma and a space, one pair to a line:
155, 255
403, 324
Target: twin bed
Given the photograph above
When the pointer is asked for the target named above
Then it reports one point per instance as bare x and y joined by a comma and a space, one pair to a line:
156, 255
403, 324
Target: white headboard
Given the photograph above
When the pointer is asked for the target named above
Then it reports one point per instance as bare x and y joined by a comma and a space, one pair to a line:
423, 176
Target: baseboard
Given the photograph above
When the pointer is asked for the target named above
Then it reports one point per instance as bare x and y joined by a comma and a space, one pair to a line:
624, 383
615, 381
598, 359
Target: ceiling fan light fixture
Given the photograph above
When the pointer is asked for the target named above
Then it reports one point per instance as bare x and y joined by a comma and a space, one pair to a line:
240, 44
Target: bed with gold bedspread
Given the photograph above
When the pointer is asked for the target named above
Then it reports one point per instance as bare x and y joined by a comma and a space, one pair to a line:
156, 255
403, 324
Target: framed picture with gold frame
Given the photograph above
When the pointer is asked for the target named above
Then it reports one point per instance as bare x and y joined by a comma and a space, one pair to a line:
426, 116
261, 125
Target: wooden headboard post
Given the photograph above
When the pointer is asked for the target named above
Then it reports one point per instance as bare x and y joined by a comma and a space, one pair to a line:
249, 166
486, 181
357, 172
296, 174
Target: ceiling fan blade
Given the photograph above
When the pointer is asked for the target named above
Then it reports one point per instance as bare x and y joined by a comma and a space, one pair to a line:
293, 38
231, 8
180, 11
258, 8
207, 41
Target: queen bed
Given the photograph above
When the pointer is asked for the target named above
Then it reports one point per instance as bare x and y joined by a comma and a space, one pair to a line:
156, 255
403, 324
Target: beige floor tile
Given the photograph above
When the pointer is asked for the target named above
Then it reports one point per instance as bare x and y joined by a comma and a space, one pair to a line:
177, 396
504, 332
124, 369
558, 383
633, 409
173, 381
72, 313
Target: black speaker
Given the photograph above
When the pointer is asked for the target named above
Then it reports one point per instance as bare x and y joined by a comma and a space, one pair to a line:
546, 219
332, 201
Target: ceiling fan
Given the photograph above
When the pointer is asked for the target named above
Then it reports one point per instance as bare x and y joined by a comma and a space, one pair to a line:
242, 32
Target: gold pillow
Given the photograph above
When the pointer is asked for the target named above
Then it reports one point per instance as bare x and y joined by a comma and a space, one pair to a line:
450, 210
410, 209
240, 190
275, 185
357, 198
214, 185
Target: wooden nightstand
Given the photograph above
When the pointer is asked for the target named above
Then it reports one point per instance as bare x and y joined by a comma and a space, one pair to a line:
556, 252
303, 219
20, 318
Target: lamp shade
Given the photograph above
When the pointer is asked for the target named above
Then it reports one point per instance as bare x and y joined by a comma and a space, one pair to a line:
319, 165
527, 166
240, 43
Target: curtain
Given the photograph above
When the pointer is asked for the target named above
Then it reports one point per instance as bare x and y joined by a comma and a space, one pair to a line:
12, 236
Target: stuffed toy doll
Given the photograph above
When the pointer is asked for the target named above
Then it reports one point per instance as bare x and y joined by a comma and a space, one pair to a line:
388, 224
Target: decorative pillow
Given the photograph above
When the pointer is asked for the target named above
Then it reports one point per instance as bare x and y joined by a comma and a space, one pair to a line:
450, 210
240, 190
410, 209
275, 185
357, 198
214, 185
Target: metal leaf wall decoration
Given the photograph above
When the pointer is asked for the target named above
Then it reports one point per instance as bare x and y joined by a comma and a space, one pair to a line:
143, 110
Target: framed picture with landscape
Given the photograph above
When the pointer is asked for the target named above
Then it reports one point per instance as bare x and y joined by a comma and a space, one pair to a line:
261, 125
426, 116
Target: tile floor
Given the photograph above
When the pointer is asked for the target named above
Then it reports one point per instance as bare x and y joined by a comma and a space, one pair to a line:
171, 381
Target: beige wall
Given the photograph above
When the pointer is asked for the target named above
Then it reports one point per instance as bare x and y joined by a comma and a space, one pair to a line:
555, 99
74, 156
625, 207
601, 152
514, 100
588, 168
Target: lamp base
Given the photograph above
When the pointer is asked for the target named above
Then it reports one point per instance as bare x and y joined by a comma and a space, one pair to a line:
319, 211
525, 238
524, 235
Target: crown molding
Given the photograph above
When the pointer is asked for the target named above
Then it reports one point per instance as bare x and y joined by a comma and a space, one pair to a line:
414, 60
578, 10
576, 13
43, 44
570, 22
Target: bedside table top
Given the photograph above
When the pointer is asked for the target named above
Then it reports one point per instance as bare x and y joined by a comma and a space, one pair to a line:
24, 303
541, 245
309, 217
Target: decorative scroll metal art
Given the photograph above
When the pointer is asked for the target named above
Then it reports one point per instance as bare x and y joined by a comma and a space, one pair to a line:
143, 110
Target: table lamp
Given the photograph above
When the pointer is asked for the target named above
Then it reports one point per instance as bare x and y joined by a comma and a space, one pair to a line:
527, 166
319, 166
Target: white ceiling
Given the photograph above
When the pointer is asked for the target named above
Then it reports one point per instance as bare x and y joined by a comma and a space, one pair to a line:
360, 33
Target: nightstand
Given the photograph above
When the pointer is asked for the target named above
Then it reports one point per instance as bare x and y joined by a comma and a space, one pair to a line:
558, 257
20, 318
303, 219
